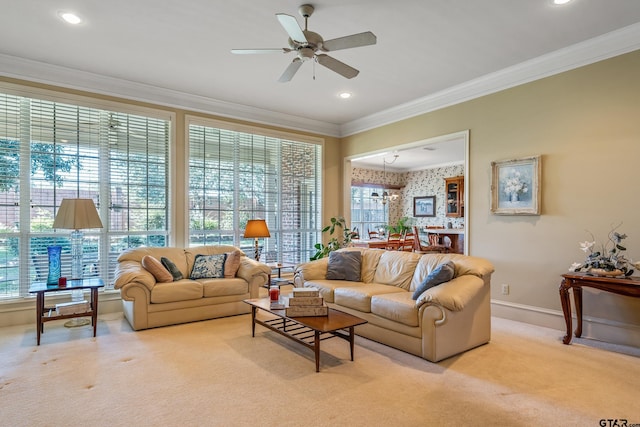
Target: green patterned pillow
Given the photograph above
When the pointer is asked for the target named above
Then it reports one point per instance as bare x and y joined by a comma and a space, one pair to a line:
173, 269
208, 266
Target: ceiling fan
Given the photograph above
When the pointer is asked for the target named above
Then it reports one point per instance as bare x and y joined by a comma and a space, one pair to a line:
307, 44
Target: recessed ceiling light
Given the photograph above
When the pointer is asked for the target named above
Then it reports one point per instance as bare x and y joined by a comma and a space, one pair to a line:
70, 17
345, 95
561, 1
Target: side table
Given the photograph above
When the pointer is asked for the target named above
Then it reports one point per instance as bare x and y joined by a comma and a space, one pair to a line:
47, 314
628, 286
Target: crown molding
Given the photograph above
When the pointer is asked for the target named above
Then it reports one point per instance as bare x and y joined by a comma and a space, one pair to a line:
40, 72
612, 44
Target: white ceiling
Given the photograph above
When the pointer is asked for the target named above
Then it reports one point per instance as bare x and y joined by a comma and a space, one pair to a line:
178, 53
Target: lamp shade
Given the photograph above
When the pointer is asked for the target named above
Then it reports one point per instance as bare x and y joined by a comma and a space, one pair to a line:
77, 214
256, 228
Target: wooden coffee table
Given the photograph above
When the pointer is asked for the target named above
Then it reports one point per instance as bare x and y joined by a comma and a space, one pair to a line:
308, 331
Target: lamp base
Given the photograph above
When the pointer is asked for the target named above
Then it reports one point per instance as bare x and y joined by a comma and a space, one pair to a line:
78, 321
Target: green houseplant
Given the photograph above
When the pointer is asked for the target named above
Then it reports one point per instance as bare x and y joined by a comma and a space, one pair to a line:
334, 243
404, 224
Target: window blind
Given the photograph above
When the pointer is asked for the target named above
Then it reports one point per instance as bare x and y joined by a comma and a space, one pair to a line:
62, 151
236, 176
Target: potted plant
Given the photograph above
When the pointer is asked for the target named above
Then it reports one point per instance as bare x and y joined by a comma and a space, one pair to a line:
403, 225
334, 243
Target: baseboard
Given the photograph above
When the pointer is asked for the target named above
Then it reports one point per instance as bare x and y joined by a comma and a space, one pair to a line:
592, 327
23, 311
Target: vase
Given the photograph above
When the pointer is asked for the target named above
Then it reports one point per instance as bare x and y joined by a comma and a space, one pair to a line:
605, 273
514, 197
53, 255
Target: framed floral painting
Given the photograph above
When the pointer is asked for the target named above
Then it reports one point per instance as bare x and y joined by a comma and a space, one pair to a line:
515, 186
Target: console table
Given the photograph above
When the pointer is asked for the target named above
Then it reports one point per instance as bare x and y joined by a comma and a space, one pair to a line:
629, 286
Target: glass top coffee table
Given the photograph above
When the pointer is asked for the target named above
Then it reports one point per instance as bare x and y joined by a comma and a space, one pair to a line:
308, 331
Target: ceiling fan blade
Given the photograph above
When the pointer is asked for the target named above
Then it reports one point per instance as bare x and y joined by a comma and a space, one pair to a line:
339, 67
251, 51
290, 71
291, 26
346, 42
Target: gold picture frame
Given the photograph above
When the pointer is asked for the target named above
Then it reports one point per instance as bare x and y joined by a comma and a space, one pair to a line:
515, 186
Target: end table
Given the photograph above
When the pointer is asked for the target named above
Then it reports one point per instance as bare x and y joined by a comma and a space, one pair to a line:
47, 314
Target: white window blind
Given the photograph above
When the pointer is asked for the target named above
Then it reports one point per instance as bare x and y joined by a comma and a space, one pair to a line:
68, 151
237, 176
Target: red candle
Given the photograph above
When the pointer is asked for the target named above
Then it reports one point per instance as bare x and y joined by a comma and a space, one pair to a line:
274, 293
62, 282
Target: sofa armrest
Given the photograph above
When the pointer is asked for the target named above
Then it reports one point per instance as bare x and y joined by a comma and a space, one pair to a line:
312, 270
255, 273
454, 294
132, 271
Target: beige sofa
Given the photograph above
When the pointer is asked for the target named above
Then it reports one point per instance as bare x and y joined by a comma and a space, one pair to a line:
148, 304
445, 320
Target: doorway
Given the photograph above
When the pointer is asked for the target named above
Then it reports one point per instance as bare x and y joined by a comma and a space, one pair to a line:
433, 158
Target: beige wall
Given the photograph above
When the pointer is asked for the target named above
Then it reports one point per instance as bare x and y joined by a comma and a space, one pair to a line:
584, 123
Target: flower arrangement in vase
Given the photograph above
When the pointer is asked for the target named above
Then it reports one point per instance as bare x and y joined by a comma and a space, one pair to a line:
609, 260
514, 185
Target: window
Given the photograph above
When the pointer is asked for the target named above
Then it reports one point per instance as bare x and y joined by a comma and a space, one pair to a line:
236, 176
52, 150
366, 213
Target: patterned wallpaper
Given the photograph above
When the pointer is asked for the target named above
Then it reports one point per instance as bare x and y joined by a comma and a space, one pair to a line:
428, 182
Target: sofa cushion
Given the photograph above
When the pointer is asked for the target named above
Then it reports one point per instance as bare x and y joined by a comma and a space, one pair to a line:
155, 267
344, 266
327, 287
223, 287
172, 267
359, 297
181, 290
208, 266
442, 273
232, 264
398, 307
396, 268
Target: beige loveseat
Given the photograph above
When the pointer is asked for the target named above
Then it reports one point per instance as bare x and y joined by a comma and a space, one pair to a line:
148, 304
445, 320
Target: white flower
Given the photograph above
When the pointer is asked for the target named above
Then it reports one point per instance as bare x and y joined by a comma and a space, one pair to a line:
574, 266
586, 246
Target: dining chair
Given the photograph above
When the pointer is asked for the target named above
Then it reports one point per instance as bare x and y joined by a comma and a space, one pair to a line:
393, 241
408, 242
374, 235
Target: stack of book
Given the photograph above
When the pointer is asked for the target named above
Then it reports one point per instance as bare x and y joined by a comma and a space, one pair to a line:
306, 302
74, 307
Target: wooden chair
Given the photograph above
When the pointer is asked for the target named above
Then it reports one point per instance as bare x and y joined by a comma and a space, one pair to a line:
434, 245
393, 241
408, 242
374, 235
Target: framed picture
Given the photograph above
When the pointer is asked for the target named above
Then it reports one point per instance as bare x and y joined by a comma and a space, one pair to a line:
424, 206
515, 186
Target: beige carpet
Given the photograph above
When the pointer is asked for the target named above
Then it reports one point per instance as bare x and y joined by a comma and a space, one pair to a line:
214, 373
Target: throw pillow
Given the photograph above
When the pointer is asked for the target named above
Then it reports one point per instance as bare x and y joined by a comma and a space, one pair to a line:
208, 266
232, 264
442, 273
155, 267
344, 266
173, 269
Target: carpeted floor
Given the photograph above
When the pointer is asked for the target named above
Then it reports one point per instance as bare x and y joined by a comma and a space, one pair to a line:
214, 373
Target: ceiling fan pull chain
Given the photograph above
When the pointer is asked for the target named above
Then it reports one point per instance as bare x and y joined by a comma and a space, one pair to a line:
314, 69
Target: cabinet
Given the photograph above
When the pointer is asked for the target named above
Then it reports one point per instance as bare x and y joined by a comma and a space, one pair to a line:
454, 193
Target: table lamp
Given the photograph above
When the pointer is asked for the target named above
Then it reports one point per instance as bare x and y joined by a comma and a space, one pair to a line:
256, 228
76, 215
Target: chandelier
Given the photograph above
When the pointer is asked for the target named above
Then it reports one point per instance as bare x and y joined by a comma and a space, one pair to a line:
387, 196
